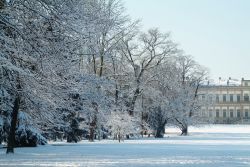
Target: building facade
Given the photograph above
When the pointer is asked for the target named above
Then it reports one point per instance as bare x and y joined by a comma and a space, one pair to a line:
229, 101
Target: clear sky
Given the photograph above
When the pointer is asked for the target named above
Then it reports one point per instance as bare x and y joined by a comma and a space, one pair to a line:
215, 32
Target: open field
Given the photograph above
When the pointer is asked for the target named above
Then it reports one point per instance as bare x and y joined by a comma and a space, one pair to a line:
215, 145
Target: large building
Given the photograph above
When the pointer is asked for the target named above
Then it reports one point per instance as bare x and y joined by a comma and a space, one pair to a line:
229, 101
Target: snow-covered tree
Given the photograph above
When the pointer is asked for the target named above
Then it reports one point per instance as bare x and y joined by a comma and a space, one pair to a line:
174, 100
161, 94
97, 103
27, 133
122, 124
106, 24
185, 104
143, 53
37, 42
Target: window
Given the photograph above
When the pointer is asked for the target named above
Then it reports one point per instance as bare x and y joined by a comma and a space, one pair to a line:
224, 98
203, 113
217, 98
238, 113
246, 113
238, 98
210, 113
231, 113
246, 97
231, 98
217, 113
246, 84
203, 97
210, 98
224, 113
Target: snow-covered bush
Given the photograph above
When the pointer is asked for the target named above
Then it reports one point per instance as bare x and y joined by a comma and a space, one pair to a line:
27, 136
122, 124
26, 133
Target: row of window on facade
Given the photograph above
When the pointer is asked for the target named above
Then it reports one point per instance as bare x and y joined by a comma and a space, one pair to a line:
228, 98
228, 114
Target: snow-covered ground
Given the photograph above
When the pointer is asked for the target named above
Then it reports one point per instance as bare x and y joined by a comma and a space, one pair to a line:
214, 145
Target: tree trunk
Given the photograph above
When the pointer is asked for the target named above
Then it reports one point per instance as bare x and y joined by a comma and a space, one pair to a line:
93, 124
92, 130
184, 131
94, 63
119, 137
116, 94
102, 56
127, 136
160, 131
132, 104
11, 137
101, 66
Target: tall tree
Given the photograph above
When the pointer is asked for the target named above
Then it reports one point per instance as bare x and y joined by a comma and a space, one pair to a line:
143, 53
186, 104
106, 24
36, 59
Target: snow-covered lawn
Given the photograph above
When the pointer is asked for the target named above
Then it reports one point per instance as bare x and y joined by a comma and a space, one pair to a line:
215, 146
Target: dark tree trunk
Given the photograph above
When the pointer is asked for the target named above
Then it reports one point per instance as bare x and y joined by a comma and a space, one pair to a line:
92, 130
184, 131
119, 137
132, 104
93, 124
160, 131
116, 94
11, 137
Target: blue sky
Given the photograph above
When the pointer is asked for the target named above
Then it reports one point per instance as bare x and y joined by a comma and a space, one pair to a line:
215, 32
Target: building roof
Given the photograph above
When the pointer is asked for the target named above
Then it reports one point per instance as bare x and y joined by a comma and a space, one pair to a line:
222, 82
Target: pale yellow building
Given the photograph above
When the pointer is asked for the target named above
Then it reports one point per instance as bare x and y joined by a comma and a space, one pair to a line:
229, 101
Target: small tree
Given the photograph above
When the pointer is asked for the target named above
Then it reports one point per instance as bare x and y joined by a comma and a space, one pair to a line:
122, 124
72, 134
